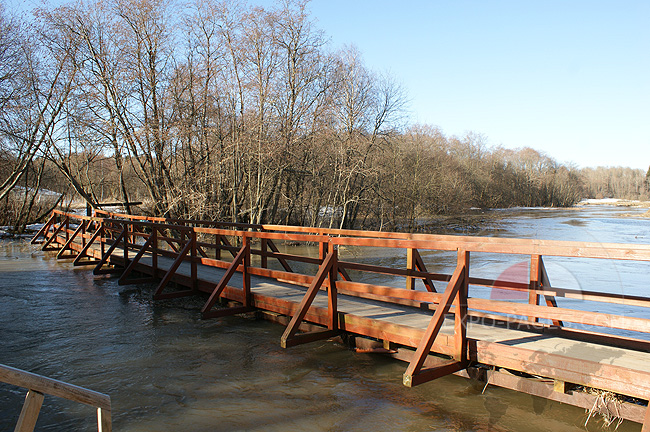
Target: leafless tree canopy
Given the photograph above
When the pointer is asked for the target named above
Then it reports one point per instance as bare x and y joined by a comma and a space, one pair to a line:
222, 110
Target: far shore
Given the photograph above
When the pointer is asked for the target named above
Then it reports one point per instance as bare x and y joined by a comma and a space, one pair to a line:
615, 202
620, 203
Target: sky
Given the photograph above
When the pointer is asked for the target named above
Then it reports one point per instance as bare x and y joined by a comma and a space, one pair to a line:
569, 78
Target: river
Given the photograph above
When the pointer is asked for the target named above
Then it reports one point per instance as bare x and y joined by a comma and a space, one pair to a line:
167, 370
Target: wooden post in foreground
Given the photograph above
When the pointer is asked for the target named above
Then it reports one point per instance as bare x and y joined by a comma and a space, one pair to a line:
30, 411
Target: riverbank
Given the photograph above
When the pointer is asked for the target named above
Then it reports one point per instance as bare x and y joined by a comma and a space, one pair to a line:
617, 202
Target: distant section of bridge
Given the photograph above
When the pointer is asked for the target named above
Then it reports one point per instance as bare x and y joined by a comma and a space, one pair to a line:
529, 346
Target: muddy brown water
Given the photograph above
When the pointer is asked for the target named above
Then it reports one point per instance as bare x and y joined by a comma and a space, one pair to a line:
167, 370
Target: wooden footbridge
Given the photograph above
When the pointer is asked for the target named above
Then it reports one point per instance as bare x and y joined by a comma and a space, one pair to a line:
530, 346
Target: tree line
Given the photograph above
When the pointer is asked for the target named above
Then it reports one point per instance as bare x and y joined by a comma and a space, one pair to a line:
221, 110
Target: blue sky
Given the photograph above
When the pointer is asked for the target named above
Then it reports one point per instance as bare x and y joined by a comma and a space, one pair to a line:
570, 78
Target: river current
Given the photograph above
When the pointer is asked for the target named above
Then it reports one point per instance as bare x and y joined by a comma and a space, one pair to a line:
167, 370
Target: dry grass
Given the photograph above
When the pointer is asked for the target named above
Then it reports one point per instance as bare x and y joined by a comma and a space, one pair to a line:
607, 406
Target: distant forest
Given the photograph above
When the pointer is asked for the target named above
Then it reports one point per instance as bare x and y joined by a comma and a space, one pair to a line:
220, 110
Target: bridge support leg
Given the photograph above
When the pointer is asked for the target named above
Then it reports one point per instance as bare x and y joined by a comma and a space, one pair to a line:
646, 422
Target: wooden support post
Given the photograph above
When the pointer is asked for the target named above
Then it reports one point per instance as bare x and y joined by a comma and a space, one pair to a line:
104, 423
546, 283
246, 276
30, 411
414, 262
322, 250
419, 265
126, 244
225, 241
217, 246
123, 278
534, 284
646, 421
460, 312
193, 258
410, 266
332, 300
102, 240
285, 265
83, 232
264, 259
154, 250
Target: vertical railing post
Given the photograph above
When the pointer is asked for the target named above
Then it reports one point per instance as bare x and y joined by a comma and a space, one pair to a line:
533, 286
104, 423
332, 301
410, 266
322, 250
264, 258
193, 263
217, 246
29, 413
125, 241
543, 284
246, 277
102, 239
460, 309
83, 233
154, 250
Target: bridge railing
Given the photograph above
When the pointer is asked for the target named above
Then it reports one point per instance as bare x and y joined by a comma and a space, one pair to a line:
38, 386
212, 239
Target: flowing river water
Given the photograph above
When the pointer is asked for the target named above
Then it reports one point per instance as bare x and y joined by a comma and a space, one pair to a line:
167, 370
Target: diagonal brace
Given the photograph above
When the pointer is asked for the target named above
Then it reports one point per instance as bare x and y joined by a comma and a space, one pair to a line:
98, 268
424, 347
323, 272
43, 229
54, 235
136, 259
172, 270
84, 252
70, 240
218, 289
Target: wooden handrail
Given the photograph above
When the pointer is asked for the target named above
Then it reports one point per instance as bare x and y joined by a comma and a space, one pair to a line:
39, 385
344, 237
